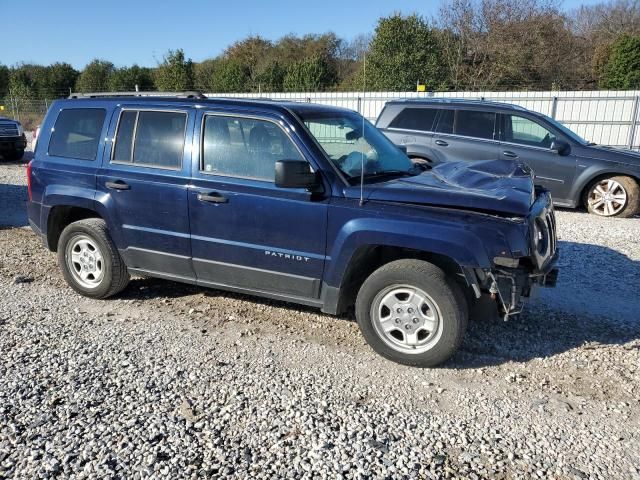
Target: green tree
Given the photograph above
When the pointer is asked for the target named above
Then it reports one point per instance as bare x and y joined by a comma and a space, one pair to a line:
26, 80
309, 75
60, 80
230, 76
175, 72
204, 74
4, 80
95, 76
126, 79
405, 50
251, 53
270, 78
622, 71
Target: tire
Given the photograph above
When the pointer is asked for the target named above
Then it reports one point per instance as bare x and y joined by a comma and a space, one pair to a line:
626, 189
421, 160
105, 274
430, 343
14, 155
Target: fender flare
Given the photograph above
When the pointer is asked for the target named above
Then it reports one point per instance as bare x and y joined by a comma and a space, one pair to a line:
461, 245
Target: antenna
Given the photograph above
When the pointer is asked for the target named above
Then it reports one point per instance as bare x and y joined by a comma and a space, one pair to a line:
364, 83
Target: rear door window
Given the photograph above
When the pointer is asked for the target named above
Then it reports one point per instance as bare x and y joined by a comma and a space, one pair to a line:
150, 138
445, 123
415, 119
76, 133
475, 123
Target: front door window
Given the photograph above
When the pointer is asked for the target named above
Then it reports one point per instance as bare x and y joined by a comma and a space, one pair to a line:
524, 131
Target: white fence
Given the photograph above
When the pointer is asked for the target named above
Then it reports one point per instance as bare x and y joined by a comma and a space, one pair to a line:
606, 117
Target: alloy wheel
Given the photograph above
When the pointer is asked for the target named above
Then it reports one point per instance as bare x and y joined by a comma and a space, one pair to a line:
607, 198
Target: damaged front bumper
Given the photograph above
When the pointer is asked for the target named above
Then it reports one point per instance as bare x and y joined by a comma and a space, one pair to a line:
511, 287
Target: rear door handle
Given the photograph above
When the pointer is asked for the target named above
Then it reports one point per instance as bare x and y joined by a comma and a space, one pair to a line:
117, 185
510, 154
213, 197
442, 143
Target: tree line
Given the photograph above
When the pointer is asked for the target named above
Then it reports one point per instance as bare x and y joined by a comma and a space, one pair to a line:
470, 45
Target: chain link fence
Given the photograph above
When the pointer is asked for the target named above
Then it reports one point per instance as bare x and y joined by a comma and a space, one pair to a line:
28, 111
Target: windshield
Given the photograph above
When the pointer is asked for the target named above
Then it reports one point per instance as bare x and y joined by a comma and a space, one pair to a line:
341, 136
569, 133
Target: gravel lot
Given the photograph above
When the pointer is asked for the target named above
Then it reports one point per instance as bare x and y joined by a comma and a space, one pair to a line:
172, 381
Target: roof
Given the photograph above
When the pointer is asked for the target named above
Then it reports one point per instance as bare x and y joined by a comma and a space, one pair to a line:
457, 102
192, 98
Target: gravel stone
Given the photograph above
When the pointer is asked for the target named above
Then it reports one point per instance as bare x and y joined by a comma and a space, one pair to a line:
173, 381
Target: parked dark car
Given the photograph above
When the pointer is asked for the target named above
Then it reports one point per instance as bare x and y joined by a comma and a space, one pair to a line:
270, 199
576, 172
12, 139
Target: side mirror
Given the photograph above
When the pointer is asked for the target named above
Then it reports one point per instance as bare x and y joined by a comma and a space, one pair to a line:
295, 174
560, 147
402, 148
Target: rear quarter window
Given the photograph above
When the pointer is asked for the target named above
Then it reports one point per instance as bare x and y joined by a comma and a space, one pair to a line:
76, 133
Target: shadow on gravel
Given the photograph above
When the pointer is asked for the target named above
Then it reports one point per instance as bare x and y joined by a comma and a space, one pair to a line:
595, 302
150, 288
27, 157
13, 209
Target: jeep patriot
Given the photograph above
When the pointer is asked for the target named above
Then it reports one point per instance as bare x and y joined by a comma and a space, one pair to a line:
303, 203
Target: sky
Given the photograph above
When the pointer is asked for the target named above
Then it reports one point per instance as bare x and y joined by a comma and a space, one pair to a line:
141, 31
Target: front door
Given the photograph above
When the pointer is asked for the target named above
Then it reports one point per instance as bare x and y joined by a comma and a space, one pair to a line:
247, 233
143, 185
527, 140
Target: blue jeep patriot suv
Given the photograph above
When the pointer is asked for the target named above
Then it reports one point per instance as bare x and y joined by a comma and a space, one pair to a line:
304, 203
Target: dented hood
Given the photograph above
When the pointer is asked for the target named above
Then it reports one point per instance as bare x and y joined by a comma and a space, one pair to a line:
495, 186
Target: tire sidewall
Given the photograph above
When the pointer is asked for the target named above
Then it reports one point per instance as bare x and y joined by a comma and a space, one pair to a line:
67, 235
442, 292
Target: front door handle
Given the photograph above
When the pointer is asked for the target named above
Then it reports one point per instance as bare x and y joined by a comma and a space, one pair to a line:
213, 197
117, 185
510, 154
442, 143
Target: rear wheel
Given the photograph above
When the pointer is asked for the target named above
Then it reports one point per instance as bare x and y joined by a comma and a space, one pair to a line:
617, 196
14, 155
89, 260
411, 313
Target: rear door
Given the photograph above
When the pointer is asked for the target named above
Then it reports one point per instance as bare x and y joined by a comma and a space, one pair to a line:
247, 233
528, 140
143, 184
466, 135
413, 127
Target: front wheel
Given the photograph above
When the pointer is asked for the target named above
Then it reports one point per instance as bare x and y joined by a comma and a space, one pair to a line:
89, 260
614, 197
410, 312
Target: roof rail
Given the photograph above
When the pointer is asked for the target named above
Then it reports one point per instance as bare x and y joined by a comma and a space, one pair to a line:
186, 94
